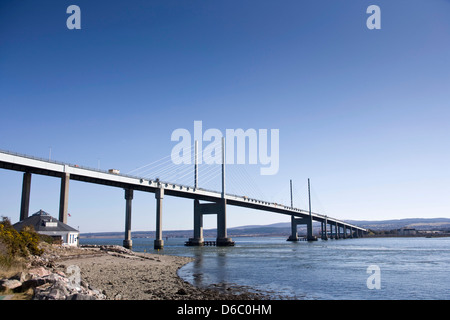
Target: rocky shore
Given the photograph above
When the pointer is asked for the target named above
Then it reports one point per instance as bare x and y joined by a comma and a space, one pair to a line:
112, 273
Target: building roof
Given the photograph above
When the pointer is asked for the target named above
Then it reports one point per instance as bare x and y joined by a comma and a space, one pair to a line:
42, 221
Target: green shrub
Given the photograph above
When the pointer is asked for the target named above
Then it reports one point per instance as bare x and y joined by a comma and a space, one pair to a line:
30, 240
18, 244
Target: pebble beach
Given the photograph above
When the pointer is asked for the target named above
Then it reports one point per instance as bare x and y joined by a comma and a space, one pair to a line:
126, 275
115, 273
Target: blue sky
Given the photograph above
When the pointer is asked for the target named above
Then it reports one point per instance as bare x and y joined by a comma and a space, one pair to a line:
363, 113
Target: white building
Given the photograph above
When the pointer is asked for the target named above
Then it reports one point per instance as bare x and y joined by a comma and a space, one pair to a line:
44, 223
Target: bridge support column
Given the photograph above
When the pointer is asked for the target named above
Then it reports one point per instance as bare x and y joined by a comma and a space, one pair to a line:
218, 208
294, 233
337, 231
295, 222
26, 190
197, 240
321, 229
127, 242
64, 198
309, 230
345, 232
324, 230
159, 242
222, 239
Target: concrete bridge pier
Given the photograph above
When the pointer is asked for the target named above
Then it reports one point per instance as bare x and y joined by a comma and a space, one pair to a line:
309, 231
321, 229
64, 198
294, 234
222, 238
159, 242
197, 240
218, 208
333, 235
324, 230
127, 242
26, 191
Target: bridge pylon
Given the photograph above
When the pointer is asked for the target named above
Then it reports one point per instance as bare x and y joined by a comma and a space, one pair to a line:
296, 221
219, 208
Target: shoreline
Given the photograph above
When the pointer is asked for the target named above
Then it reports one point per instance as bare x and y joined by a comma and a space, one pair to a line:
110, 272
122, 274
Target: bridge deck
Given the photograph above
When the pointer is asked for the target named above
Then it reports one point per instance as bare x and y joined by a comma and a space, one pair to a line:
25, 163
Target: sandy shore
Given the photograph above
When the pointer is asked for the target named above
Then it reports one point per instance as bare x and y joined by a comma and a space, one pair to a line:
144, 276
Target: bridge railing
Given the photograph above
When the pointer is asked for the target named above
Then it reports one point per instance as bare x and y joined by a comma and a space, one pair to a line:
13, 153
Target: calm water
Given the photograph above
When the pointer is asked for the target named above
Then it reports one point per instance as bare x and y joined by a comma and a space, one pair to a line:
410, 268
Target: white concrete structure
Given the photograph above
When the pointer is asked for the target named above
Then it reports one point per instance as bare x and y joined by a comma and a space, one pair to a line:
43, 223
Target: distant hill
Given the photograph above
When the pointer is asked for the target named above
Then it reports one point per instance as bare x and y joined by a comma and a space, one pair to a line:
284, 229
416, 223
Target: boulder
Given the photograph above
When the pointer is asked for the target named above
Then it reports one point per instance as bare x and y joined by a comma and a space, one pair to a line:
9, 284
39, 272
32, 283
54, 291
21, 276
80, 296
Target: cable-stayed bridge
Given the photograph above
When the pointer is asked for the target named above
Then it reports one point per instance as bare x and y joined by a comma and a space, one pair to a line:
149, 178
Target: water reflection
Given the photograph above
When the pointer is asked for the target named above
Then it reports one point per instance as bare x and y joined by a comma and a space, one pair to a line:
209, 266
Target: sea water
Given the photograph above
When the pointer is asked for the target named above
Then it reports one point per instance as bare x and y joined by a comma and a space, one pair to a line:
407, 268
